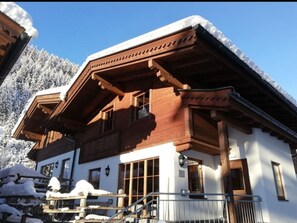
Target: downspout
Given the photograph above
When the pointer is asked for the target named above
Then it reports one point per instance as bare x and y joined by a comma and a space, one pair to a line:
73, 158
72, 166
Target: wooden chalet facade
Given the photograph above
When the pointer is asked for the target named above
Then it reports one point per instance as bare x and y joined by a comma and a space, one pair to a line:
148, 103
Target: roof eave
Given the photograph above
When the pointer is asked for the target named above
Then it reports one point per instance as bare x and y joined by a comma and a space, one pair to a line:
203, 33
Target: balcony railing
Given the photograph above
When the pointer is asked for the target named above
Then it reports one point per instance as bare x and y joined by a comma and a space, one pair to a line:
188, 208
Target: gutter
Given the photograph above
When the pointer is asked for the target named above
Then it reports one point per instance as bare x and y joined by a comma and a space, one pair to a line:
259, 115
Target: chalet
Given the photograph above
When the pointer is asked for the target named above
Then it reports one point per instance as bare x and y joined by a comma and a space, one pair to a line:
14, 37
179, 110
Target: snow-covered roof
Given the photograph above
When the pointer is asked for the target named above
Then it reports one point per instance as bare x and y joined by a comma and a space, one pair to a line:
194, 22
30, 101
19, 15
21, 170
189, 22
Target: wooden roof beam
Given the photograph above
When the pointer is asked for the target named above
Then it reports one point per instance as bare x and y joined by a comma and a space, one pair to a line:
2, 52
220, 116
32, 135
108, 86
165, 76
45, 109
72, 124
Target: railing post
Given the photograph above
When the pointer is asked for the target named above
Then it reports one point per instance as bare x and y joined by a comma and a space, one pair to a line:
52, 205
82, 205
158, 207
121, 202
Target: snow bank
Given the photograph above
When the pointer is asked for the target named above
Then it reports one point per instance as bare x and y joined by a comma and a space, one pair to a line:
20, 16
21, 170
82, 188
54, 183
24, 189
11, 210
96, 217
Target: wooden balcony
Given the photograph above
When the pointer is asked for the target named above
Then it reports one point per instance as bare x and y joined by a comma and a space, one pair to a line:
55, 148
105, 145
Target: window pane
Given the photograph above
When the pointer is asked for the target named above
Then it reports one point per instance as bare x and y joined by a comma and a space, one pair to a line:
66, 169
140, 186
127, 175
134, 187
278, 180
156, 166
141, 169
108, 120
142, 105
47, 170
195, 176
237, 179
150, 167
150, 184
138, 179
135, 169
94, 177
156, 184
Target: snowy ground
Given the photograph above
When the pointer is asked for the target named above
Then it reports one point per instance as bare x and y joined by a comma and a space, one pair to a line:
16, 186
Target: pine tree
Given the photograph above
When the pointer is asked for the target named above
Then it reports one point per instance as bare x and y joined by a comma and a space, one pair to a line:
35, 70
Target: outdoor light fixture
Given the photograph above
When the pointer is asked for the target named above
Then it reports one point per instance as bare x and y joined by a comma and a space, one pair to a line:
56, 164
107, 171
182, 160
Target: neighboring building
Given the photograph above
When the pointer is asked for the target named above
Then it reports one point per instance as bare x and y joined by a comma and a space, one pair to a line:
183, 92
16, 31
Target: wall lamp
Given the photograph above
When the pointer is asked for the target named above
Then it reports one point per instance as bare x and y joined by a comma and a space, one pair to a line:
56, 164
107, 171
182, 160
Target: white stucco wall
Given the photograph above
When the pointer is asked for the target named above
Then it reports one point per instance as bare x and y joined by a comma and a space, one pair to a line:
173, 178
260, 149
60, 158
211, 171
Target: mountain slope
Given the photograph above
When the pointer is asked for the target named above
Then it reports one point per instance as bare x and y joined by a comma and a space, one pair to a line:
34, 71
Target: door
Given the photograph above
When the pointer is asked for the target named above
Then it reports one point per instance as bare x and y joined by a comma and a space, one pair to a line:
245, 211
240, 177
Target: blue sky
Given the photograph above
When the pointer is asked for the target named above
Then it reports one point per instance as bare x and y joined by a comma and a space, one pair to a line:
265, 31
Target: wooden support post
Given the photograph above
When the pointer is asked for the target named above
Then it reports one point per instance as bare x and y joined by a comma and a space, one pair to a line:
23, 219
82, 205
224, 154
52, 205
121, 202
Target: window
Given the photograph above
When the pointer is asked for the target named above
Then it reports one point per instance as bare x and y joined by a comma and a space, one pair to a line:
139, 178
65, 172
94, 177
47, 170
237, 179
195, 177
142, 105
278, 181
108, 119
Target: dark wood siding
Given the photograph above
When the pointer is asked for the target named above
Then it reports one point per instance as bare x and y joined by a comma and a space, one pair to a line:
166, 123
